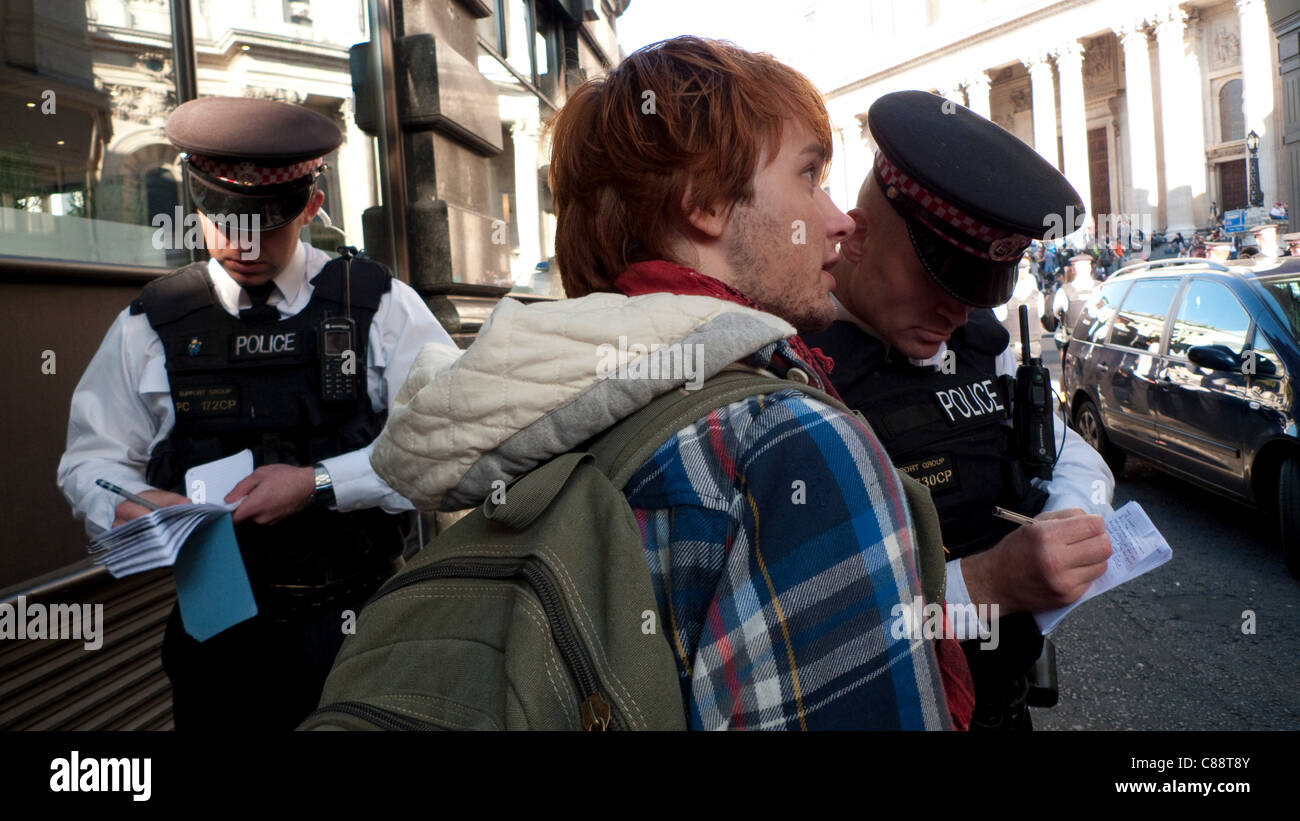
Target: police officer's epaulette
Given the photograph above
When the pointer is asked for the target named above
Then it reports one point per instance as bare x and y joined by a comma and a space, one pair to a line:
175, 295
370, 281
983, 333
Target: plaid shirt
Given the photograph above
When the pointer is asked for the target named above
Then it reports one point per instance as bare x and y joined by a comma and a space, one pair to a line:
779, 541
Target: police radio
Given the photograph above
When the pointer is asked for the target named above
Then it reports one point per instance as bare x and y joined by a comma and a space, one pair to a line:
1034, 421
338, 344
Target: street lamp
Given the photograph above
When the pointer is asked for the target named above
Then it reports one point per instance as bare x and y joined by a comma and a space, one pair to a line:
1256, 195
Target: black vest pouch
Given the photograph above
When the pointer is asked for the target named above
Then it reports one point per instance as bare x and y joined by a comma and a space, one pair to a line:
237, 384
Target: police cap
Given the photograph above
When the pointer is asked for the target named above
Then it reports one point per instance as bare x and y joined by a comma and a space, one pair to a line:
252, 157
973, 196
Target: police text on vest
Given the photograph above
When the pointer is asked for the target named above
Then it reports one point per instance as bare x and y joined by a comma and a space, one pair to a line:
970, 401
265, 344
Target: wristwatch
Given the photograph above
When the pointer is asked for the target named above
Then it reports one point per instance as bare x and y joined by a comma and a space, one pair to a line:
324, 494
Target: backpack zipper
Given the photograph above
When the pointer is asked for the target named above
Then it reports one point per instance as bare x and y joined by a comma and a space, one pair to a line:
596, 713
383, 719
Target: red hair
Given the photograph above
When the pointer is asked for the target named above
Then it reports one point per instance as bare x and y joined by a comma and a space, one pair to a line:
686, 115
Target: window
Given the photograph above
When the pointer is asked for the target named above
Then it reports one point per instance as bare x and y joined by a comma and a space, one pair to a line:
86, 171
1141, 321
493, 27
1284, 299
1098, 312
548, 49
84, 164
282, 75
1210, 315
1232, 122
297, 12
519, 40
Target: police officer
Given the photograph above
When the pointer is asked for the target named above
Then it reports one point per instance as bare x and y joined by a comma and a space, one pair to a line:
1025, 293
948, 210
251, 350
1074, 293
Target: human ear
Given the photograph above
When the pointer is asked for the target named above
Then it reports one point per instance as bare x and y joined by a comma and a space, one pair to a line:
710, 221
854, 246
314, 203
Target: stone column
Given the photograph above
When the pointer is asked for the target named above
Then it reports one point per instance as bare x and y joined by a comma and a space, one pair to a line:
1074, 121
1184, 146
1143, 197
977, 90
1040, 76
1257, 92
526, 133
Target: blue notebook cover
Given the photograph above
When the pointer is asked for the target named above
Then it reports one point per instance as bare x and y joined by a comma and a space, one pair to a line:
211, 582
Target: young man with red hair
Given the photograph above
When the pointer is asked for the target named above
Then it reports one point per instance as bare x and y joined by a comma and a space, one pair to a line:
692, 226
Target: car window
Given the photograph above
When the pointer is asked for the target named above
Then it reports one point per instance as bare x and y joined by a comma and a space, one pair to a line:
1098, 311
1284, 299
1140, 323
1209, 315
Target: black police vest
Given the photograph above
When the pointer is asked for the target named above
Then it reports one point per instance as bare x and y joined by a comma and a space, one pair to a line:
239, 384
943, 427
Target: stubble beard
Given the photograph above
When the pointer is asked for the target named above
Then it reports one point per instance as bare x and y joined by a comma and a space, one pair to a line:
772, 289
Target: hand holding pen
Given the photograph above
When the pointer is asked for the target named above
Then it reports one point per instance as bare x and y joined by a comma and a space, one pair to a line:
137, 505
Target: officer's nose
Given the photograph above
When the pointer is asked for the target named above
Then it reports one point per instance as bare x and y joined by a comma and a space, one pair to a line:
953, 310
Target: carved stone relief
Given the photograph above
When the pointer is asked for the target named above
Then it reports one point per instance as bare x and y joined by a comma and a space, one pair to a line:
1224, 45
140, 105
283, 95
1021, 100
1100, 65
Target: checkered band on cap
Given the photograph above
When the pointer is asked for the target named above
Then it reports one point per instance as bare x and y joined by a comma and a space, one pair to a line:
958, 227
249, 174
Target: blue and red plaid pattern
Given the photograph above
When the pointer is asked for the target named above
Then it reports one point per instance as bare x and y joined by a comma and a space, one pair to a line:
779, 541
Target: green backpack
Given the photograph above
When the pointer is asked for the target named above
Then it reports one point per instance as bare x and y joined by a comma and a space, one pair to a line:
539, 612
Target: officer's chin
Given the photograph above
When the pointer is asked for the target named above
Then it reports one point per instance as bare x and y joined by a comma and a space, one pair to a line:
247, 274
919, 349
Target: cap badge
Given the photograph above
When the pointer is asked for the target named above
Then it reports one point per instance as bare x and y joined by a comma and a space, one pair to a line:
246, 174
891, 192
195, 345
1007, 249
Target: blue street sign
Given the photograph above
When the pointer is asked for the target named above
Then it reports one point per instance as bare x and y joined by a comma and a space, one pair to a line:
1234, 221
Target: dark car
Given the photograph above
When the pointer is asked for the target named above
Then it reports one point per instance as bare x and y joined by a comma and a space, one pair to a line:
1194, 365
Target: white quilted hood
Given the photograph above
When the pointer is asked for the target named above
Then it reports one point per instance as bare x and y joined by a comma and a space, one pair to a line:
540, 379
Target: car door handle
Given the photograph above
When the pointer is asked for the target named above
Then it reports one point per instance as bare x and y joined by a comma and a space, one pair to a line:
1102, 366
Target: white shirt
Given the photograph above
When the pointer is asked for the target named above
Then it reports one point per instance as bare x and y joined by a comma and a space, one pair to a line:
1080, 478
122, 406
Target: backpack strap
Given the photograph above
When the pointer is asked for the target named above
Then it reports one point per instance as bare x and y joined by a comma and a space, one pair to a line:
624, 448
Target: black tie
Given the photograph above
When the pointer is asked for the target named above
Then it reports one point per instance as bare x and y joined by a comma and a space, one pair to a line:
260, 312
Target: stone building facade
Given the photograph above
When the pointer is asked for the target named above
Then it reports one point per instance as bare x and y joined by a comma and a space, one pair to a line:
1144, 105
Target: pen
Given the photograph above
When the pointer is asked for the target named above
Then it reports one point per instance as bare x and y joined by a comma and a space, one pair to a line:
1018, 518
139, 500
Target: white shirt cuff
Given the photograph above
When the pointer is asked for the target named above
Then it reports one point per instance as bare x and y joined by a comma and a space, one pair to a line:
958, 597
356, 486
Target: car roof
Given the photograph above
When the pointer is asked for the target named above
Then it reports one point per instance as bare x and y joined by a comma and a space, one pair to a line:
1244, 269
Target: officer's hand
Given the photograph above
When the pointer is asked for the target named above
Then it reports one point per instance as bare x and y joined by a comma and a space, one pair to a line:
127, 511
1042, 566
272, 493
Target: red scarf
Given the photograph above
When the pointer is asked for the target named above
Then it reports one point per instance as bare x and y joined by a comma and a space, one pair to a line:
660, 276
